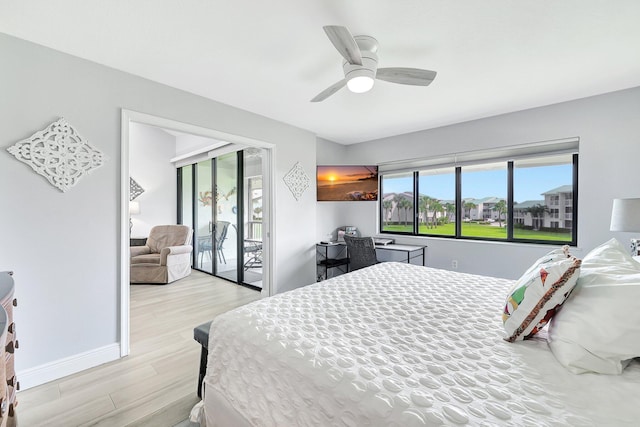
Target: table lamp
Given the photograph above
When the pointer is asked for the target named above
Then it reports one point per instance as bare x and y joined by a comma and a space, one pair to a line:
625, 216
134, 209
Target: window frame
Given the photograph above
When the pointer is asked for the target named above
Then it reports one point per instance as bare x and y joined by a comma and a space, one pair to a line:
459, 205
381, 208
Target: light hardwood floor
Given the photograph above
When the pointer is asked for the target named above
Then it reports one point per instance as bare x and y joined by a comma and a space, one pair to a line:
156, 384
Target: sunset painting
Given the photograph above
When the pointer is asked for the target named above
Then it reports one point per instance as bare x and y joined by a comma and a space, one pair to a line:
347, 183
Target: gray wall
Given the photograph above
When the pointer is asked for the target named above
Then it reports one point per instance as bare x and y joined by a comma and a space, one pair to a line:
330, 215
609, 131
150, 150
64, 247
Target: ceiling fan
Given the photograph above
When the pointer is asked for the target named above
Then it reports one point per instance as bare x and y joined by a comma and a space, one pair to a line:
361, 65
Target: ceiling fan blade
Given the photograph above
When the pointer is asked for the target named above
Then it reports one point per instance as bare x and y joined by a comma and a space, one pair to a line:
344, 42
330, 91
406, 76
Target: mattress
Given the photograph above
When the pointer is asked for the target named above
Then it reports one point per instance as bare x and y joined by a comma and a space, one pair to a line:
398, 345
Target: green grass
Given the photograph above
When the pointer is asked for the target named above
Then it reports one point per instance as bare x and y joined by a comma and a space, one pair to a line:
472, 229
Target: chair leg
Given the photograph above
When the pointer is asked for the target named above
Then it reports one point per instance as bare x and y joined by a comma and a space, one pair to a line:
220, 256
203, 369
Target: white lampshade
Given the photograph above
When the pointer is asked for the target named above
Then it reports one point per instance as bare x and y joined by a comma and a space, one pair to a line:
134, 208
625, 215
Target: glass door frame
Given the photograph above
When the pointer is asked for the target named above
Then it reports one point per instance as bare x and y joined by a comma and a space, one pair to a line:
239, 215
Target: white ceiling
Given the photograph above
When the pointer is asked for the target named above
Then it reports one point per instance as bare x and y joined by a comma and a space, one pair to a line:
272, 57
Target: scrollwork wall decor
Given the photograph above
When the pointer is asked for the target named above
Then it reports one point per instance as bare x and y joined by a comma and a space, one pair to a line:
297, 180
59, 154
134, 189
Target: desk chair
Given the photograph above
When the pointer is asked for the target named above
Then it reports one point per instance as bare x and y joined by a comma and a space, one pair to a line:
362, 252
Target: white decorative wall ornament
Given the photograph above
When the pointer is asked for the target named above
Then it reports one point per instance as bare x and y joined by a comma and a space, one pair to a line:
297, 180
59, 154
134, 189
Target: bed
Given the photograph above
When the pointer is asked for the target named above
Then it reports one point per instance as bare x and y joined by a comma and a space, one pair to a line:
396, 344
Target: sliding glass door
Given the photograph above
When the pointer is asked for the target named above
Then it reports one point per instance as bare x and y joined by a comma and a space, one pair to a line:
252, 217
222, 199
203, 217
226, 215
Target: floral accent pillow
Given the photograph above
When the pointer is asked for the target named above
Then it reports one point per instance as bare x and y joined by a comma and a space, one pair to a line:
539, 293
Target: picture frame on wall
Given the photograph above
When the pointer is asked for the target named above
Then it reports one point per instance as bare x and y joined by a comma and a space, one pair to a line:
346, 183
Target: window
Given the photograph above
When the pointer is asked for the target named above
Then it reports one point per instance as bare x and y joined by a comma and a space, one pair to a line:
526, 198
484, 200
437, 202
541, 187
396, 203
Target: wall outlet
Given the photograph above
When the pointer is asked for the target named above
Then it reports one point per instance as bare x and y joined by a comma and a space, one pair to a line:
454, 264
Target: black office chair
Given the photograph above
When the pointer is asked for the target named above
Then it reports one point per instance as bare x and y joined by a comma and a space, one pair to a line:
362, 252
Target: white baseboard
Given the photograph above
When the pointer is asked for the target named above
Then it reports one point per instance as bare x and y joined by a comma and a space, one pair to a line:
69, 365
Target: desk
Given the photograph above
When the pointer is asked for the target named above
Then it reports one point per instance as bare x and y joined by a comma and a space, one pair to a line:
332, 259
412, 254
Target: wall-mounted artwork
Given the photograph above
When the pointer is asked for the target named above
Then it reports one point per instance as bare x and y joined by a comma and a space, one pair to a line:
134, 189
347, 183
297, 180
59, 154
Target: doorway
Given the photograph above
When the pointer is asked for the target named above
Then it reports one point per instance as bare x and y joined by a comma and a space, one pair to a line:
226, 139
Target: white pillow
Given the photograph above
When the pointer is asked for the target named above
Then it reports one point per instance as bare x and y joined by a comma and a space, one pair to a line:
598, 328
541, 290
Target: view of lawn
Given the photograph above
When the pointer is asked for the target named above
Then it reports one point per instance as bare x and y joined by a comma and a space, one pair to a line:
472, 229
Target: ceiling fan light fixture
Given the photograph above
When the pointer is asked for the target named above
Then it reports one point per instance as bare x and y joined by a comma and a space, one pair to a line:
360, 65
360, 84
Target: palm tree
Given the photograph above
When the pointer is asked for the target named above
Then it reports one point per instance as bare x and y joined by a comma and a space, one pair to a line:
425, 202
437, 207
501, 208
387, 206
450, 208
468, 206
397, 200
406, 205
537, 211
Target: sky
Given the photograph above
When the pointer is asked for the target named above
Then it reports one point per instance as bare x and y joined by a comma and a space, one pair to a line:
529, 183
337, 174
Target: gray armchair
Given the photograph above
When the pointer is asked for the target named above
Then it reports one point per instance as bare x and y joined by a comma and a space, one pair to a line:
165, 258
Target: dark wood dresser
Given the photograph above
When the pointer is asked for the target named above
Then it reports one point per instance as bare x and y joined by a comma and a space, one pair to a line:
8, 382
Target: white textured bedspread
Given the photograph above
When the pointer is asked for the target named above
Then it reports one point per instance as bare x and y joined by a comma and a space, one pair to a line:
400, 345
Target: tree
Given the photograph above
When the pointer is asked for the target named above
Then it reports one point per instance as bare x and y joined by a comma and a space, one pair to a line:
425, 204
436, 206
397, 200
468, 206
501, 208
406, 205
537, 211
387, 206
450, 208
